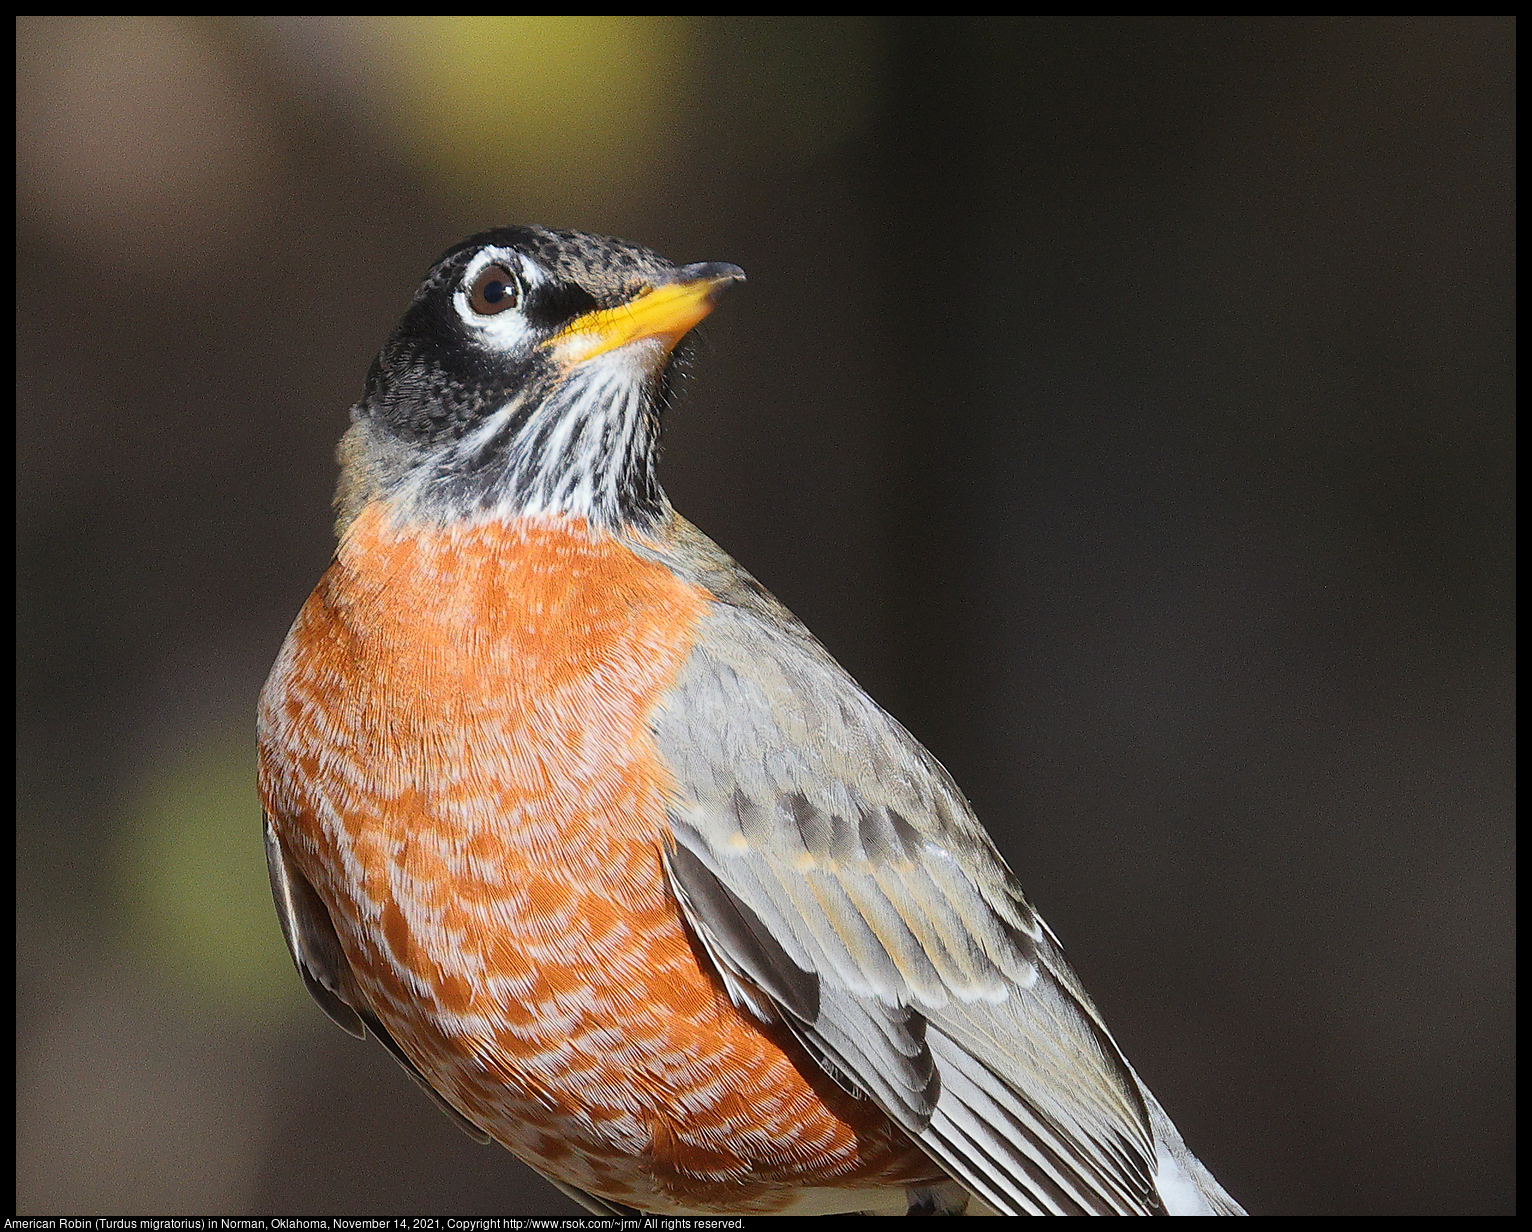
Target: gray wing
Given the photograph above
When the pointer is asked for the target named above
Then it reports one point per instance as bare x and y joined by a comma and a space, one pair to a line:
841, 885
317, 953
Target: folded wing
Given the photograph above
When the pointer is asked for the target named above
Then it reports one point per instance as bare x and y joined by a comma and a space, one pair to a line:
841, 884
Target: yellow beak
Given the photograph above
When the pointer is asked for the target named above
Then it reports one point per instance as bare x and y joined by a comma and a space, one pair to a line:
665, 313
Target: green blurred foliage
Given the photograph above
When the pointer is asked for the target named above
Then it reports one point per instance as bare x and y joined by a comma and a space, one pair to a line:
197, 905
534, 109
552, 116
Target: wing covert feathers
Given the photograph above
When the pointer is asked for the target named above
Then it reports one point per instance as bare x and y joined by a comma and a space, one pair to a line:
819, 847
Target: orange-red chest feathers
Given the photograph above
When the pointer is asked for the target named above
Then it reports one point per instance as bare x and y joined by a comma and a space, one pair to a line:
455, 752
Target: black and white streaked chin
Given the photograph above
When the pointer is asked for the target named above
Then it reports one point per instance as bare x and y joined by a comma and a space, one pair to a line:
585, 451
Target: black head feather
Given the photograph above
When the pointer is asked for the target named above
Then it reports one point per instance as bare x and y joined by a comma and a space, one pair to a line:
465, 413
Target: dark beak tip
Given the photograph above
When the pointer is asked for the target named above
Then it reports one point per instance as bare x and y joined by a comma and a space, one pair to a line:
721, 272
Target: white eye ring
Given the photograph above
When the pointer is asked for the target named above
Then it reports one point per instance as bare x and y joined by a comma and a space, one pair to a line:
499, 323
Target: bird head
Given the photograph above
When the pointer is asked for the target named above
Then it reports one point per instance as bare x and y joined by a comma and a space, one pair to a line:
527, 377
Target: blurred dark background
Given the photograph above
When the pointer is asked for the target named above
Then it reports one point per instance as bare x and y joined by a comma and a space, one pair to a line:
1127, 403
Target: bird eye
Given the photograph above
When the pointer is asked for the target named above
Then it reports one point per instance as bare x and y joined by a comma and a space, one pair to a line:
494, 290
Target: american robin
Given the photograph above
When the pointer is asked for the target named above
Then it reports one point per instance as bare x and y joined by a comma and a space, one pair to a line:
588, 830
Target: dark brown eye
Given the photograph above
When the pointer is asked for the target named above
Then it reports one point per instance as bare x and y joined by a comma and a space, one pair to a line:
494, 290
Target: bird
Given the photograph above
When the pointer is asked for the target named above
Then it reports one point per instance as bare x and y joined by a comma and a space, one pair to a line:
576, 819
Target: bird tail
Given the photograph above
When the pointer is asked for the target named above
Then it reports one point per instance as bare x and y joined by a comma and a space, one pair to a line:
1184, 1185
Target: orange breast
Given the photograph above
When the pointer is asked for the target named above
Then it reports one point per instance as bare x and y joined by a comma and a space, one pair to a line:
456, 754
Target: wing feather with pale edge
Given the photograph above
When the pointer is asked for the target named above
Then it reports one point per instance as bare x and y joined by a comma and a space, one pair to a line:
841, 884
